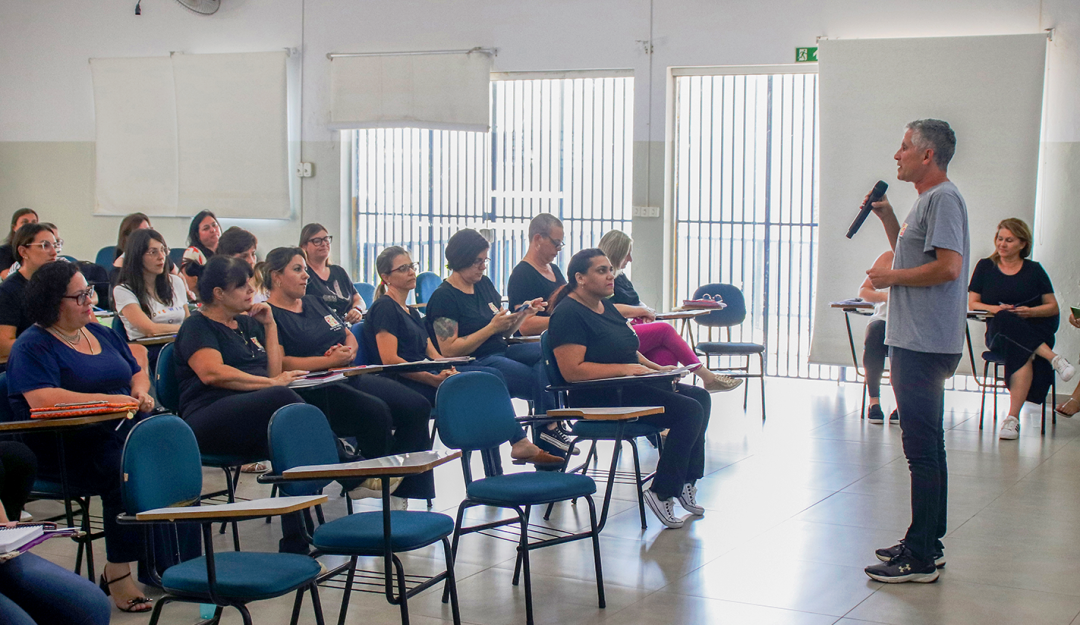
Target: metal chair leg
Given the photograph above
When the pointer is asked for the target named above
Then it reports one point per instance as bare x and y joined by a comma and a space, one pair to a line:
296, 606
450, 585
640, 483
348, 591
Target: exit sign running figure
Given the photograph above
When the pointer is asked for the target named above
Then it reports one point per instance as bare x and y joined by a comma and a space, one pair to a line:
806, 55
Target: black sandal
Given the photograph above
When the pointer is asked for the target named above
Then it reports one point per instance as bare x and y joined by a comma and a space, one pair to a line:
104, 585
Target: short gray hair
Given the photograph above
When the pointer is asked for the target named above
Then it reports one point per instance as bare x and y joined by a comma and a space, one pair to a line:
542, 225
936, 135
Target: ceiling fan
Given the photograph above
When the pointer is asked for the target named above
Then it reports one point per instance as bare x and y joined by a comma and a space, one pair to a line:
202, 7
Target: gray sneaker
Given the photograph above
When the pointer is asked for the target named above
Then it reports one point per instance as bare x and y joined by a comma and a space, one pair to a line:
664, 509
688, 502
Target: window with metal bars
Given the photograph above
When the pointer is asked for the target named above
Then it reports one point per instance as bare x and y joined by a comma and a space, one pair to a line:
557, 145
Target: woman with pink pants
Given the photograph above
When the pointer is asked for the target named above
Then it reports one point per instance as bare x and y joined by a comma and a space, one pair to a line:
660, 342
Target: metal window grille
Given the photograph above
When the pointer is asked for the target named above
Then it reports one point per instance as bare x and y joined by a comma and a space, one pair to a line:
562, 146
746, 205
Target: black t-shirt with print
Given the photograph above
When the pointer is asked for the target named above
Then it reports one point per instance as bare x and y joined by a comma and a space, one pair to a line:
309, 333
471, 311
386, 315
607, 337
336, 291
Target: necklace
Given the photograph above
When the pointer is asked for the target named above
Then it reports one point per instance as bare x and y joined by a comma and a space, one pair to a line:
74, 340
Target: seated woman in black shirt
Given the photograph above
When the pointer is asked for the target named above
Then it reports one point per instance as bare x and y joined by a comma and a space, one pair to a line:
394, 333
329, 282
592, 340
35, 245
67, 357
8, 256
366, 407
1020, 295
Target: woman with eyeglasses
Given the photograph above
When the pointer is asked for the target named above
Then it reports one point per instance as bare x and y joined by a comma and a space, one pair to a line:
365, 407
203, 235
466, 316
36, 245
329, 282
660, 342
66, 358
8, 256
395, 333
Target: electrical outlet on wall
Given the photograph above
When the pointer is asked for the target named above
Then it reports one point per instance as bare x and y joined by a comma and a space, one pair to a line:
647, 211
304, 170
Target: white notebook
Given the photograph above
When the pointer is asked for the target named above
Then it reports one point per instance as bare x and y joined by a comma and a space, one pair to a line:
12, 538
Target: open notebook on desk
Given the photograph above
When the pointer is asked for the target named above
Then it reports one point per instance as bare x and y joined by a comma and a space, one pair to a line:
22, 538
676, 372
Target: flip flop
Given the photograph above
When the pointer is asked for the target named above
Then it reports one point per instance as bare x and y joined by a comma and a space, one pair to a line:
1058, 409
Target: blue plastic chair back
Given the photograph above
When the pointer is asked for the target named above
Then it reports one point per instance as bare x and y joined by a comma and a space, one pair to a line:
154, 478
176, 255
166, 383
6, 413
366, 291
106, 256
550, 364
299, 435
474, 412
732, 315
357, 330
426, 283
118, 327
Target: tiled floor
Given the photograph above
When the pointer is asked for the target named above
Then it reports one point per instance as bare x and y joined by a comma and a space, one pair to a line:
794, 512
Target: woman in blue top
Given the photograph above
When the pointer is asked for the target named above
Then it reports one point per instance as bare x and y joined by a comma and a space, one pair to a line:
65, 357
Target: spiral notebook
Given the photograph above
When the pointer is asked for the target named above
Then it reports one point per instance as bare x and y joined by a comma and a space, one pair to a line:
14, 538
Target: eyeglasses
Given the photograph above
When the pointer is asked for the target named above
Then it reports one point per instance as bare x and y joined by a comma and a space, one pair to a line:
319, 241
83, 297
480, 262
48, 245
558, 243
406, 268
157, 251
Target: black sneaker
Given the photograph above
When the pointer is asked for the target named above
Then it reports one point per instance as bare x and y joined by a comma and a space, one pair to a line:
894, 418
891, 552
875, 415
903, 568
557, 438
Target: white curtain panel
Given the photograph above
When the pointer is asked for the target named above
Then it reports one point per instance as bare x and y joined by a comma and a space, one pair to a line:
232, 127
442, 91
135, 105
180, 134
990, 89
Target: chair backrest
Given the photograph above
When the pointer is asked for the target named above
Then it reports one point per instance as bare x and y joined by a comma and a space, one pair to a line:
6, 413
106, 256
118, 327
732, 315
366, 291
550, 364
474, 411
357, 330
166, 384
426, 283
154, 478
176, 255
299, 435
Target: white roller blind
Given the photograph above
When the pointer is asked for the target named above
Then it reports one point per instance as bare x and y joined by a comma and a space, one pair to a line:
989, 89
442, 91
180, 134
135, 105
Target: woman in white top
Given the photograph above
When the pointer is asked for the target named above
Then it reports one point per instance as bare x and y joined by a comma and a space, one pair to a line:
149, 299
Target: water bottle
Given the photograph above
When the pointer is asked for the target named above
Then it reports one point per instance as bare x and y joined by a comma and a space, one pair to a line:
206, 611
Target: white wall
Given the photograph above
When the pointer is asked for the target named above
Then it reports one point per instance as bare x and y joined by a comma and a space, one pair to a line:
46, 108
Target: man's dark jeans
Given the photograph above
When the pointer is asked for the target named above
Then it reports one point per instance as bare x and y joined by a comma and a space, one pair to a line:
918, 381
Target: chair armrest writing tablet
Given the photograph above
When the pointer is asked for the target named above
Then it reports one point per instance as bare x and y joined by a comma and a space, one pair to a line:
606, 414
400, 465
255, 508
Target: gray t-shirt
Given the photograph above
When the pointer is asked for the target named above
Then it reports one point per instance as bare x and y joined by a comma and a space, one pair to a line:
931, 318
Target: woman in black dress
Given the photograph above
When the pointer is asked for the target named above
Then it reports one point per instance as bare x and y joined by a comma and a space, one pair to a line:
1019, 294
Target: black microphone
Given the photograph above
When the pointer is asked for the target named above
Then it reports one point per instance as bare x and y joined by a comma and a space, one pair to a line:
879, 190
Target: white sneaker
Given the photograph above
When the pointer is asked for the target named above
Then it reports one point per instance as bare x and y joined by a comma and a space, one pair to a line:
1010, 429
722, 383
688, 501
25, 517
399, 503
664, 509
372, 488
1062, 366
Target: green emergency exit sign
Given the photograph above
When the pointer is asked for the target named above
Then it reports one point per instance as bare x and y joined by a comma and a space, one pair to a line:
806, 55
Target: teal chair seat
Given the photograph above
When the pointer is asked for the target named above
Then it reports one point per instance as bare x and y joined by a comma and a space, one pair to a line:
530, 488
606, 429
247, 575
362, 533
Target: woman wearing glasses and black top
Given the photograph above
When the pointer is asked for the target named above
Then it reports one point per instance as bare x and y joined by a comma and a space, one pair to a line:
66, 357
35, 245
329, 282
365, 407
591, 340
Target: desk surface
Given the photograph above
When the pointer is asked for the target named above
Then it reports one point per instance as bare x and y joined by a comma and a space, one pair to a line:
63, 422
852, 305
514, 340
254, 508
160, 339
406, 367
606, 414
684, 314
400, 465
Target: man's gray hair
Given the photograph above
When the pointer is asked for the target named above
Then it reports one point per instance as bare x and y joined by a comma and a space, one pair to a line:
936, 135
542, 225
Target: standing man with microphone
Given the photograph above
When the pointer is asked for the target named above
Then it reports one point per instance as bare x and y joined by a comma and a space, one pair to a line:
925, 334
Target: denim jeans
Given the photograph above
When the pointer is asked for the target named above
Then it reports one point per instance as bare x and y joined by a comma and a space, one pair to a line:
918, 380
34, 591
522, 367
